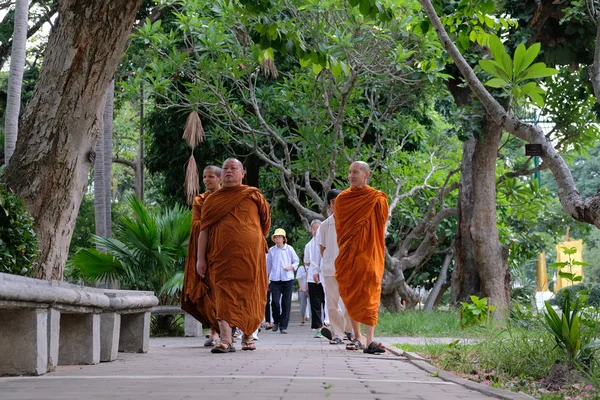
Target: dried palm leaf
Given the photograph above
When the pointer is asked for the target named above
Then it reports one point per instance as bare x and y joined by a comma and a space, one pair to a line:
268, 68
193, 130
192, 180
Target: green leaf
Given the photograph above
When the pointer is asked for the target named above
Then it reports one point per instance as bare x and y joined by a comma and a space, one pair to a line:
497, 83
519, 57
365, 7
530, 56
493, 68
507, 65
497, 49
538, 70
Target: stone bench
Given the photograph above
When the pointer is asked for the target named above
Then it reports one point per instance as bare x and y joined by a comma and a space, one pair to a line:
48, 323
191, 326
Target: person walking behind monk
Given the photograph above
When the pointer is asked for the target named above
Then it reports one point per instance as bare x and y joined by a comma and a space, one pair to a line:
282, 261
341, 325
195, 299
301, 275
361, 213
316, 291
232, 247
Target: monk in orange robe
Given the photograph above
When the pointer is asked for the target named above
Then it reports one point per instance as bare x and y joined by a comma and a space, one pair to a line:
195, 298
232, 248
361, 214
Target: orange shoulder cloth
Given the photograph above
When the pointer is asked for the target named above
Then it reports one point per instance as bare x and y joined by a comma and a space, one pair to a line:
221, 202
355, 207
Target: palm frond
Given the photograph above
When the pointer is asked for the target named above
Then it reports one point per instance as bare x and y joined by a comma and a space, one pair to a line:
173, 285
94, 264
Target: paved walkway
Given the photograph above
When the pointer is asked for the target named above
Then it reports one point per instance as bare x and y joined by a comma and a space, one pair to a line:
293, 366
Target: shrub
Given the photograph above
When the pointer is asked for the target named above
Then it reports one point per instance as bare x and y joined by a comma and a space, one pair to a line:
18, 241
592, 291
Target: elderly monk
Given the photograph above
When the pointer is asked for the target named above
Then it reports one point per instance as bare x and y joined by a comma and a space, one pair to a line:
231, 250
361, 213
195, 299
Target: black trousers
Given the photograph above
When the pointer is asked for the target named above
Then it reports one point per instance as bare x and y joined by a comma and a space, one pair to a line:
268, 308
317, 304
281, 299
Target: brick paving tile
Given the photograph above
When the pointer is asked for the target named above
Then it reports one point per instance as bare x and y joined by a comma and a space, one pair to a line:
285, 367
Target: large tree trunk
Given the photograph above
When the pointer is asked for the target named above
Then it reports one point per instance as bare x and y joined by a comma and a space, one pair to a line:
465, 278
15, 79
486, 243
50, 165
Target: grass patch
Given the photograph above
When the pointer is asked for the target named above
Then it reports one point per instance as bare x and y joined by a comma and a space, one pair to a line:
426, 324
515, 359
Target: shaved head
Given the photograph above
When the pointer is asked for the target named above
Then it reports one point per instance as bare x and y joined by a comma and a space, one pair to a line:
364, 166
239, 163
358, 173
217, 171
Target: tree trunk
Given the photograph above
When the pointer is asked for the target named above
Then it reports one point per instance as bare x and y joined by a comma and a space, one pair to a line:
441, 280
486, 243
465, 278
99, 183
50, 166
15, 78
108, 148
139, 162
392, 302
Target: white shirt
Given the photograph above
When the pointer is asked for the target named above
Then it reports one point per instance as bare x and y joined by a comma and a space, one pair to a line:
328, 239
301, 275
312, 258
278, 259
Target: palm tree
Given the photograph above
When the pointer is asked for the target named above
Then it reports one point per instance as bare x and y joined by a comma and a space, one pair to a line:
15, 78
147, 253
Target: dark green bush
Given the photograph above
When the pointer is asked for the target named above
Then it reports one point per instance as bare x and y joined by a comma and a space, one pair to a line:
592, 290
18, 241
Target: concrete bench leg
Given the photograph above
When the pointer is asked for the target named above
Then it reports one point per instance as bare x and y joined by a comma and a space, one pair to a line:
79, 339
110, 326
53, 338
192, 327
135, 332
26, 353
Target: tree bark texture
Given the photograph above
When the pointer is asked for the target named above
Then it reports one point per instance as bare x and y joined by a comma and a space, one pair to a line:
465, 278
15, 79
139, 162
99, 183
60, 124
108, 149
491, 263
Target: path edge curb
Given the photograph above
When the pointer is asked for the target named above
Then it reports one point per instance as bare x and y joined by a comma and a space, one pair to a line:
424, 364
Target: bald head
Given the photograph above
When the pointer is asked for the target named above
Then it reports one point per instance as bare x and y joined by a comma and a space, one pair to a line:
358, 174
233, 172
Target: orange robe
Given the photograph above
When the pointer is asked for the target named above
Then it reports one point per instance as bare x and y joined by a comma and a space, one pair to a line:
360, 219
196, 299
237, 220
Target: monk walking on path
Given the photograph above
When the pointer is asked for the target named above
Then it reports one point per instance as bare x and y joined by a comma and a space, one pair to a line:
195, 299
361, 213
232, 248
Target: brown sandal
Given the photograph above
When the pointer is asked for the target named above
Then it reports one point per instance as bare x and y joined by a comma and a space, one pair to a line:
248, 343
223, 347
